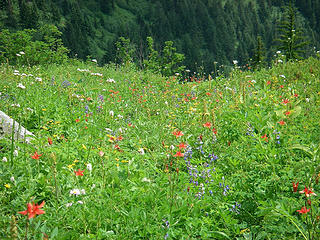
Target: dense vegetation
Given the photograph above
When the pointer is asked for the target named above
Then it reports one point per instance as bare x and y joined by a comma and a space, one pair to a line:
205, 31
125, 154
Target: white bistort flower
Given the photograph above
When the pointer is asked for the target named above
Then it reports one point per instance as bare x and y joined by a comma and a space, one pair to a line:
20, 85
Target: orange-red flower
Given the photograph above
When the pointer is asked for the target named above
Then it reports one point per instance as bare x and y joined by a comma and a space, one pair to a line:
182, 145
207, 124
178, 154
303, 210
285, 101
50, 141
33, 210
178, 133
287, 113
79, 172
308, 192
36, 155
282, 122
295, 186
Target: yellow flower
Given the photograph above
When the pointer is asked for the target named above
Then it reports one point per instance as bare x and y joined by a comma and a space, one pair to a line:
84, 147
70, 166
43, 109
7, 185
75, 161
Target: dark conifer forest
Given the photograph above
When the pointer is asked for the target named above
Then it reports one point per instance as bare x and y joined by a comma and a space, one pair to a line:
205, 31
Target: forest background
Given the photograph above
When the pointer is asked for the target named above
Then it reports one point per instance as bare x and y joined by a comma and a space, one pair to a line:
207, 32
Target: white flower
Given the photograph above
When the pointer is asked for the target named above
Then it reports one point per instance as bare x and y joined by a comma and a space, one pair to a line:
75, 192
89, 167
278, 52
38, 79
93, 186
69, 204
4, 159
15, 152
22, 53
30, 109
94, 60
24, 75
20, 85
18, 55
235, 62
80, 202
111, 113
83, 191
307, 100
110, 80
171, 147
120, 130
141, 151
15, 105
108, 129
97, 74
145, 180
120, 116
12, 179
283, 76
280, 61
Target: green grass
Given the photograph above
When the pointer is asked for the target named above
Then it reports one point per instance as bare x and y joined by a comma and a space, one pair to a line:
137, 188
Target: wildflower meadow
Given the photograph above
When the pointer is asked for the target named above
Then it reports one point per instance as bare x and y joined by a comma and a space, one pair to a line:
121, 153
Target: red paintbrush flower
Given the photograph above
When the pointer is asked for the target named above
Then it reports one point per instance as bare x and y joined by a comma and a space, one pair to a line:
182, 145
282, 122
33, 210
50, 141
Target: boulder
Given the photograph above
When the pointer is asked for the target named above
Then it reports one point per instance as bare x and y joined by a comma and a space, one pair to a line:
20, 133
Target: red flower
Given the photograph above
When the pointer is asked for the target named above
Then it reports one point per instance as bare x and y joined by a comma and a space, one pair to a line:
308, 192
182, 145
36, 156
281, 86
295, 186
214, 130
207, 124
208, 94
287, 113
178, 154
79, 172
178, 133
33, 210
295, 95
303, 210
77, 120
282, 122
268, 82
285, 101
50, 141
265, 137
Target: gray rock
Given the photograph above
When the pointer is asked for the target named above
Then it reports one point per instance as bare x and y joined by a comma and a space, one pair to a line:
20, 133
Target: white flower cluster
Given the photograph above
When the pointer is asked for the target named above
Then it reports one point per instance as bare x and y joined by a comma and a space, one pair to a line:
110, 80
97, 74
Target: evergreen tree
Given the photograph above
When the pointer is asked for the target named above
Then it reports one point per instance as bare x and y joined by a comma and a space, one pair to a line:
291, 40
258, 59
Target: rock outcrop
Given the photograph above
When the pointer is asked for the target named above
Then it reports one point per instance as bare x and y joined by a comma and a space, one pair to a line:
20, 133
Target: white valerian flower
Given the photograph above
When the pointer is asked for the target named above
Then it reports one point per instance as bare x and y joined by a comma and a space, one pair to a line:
22, 53
110, 80
93, 186
29, 109
171, 147
283, 76
97, 74
94, 60
83, 191
12, 179
75, 192
80, 202
145, 180
18, 55
307, 100
141, 151
4, 159
24, 75
69, 204
235, 62
279, 61
15, 153
120, 116
38, 79
20, 85
15, 105
89, 167
111, 113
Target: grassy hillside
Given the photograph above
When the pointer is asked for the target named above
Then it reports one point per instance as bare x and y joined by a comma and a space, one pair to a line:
125, 154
